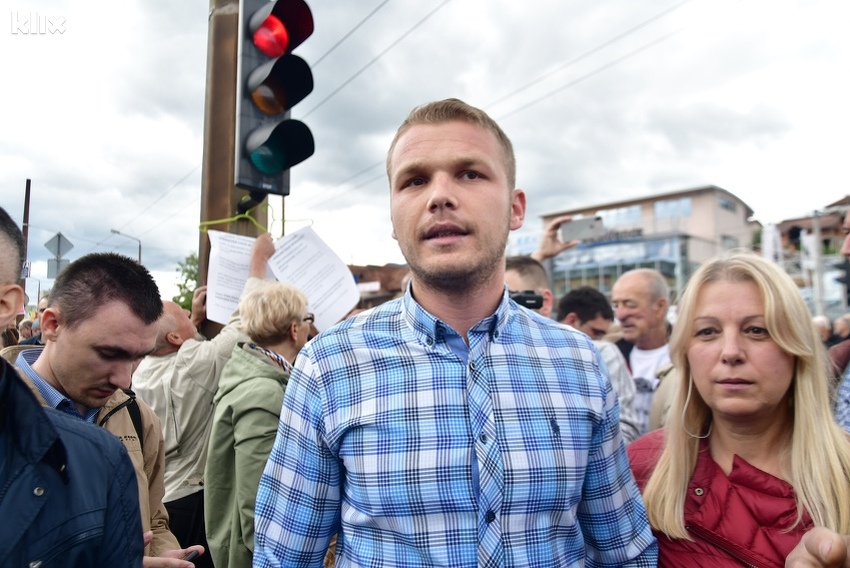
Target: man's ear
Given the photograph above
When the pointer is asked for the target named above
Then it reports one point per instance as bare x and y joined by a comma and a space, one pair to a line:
174, 338
50, 323
11, 302
572, 320
548, 302
293, 332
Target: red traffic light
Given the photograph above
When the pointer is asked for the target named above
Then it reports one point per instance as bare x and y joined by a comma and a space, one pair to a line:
271, 37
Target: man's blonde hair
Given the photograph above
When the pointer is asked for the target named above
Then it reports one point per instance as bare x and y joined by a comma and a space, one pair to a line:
449, 110
819, 451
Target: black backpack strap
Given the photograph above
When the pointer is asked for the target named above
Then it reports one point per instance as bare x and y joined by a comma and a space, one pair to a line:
135, 416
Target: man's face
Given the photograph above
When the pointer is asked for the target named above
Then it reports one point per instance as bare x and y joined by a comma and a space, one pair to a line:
89, 362
595, 328
450, 203
42, 305
639, 317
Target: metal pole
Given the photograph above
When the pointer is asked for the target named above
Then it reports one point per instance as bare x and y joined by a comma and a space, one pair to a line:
25, 229
129, 237
817, 273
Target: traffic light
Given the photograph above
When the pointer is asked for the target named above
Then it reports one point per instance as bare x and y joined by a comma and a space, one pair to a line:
270, 81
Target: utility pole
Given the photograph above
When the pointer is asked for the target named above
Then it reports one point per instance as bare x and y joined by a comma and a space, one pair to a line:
25, 229
219, 198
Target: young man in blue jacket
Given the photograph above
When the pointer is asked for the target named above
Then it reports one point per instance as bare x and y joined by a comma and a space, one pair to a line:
68, 492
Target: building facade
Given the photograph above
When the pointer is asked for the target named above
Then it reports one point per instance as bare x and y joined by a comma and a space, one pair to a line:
671, 232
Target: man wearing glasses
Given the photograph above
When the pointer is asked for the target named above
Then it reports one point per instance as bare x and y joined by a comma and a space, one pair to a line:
179, 380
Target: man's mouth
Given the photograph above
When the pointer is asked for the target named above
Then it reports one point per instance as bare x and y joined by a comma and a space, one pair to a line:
444, 231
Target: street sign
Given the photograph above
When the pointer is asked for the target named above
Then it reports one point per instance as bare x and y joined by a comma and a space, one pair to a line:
59, 245
55, 266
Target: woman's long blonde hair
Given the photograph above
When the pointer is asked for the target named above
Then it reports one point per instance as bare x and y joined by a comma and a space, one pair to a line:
819, 452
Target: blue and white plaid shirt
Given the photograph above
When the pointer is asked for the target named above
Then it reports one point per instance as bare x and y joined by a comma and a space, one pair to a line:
381, 424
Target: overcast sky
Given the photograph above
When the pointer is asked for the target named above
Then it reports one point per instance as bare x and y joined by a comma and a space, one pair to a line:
604, 100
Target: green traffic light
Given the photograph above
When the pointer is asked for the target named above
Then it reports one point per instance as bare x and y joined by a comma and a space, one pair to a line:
269, 158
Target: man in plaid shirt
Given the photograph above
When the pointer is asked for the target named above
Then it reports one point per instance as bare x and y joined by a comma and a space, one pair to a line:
451, 427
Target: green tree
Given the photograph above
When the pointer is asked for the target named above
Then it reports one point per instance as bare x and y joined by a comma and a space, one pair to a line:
187, 271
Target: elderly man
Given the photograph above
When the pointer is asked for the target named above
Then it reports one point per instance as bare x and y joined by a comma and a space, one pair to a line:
178, 380
25, 328
100, 321
640, 299
451, 427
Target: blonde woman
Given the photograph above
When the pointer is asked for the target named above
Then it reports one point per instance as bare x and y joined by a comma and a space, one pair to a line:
247, 412
750, 459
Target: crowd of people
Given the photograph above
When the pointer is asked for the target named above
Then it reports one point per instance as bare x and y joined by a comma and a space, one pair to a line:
477, 420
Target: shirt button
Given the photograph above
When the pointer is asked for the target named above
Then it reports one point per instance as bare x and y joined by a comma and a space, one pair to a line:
483, 438
699, 491
472, 366
429, 341
491, 516
38, 491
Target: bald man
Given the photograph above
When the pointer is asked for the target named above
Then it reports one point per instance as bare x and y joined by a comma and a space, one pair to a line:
178, 380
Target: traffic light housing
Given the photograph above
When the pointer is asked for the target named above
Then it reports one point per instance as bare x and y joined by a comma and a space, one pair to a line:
270, 81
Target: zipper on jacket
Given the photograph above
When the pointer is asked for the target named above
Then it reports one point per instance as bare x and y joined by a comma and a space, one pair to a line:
709, 537
113, 411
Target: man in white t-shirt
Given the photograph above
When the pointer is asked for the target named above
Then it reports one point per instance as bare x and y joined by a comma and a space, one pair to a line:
640, 300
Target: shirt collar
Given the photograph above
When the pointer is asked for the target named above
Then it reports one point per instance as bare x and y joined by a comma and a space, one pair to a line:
52, 397
430, 330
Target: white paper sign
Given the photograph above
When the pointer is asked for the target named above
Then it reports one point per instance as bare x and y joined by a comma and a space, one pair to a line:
230, 260
301, 259
308, 263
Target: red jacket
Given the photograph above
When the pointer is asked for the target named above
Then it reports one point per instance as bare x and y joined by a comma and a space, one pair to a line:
739, 520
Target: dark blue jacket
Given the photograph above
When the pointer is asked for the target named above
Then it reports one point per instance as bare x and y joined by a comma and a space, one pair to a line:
68, 494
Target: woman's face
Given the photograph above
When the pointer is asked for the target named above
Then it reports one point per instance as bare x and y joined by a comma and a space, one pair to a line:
739, 371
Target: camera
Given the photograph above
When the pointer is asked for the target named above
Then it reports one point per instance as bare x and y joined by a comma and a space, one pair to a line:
527, 299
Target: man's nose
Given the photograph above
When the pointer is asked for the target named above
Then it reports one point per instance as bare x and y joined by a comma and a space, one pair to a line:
443, 192
122, 374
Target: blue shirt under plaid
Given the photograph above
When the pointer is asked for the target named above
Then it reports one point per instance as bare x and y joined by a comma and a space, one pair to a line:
379, 426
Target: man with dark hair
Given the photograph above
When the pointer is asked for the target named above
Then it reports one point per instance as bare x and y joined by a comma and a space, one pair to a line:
99, 323
450, 427
69, 495
587, 309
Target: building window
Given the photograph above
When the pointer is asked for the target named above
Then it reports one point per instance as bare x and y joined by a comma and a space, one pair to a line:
728, 242
673, 208
620, 216
727, 204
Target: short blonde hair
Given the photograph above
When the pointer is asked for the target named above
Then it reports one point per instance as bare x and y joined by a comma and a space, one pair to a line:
448, 110
269, 310
819, 451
